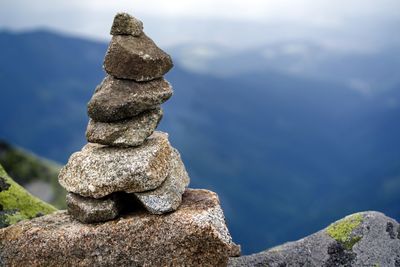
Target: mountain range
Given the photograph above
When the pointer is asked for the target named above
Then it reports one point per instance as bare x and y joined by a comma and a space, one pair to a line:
287, 152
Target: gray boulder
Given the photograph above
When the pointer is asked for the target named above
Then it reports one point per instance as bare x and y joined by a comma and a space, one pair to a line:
116, 99
125, 24
361, 239
136, 58
91, 210
194, 235
98, 170
125, 133
168, 196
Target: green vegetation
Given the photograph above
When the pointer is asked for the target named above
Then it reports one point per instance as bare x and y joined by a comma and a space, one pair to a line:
342, 230
25, 168
17, 204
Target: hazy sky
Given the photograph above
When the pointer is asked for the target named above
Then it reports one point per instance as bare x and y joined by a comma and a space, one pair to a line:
176, 21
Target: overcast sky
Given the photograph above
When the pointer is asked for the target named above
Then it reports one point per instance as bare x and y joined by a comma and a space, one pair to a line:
176, 21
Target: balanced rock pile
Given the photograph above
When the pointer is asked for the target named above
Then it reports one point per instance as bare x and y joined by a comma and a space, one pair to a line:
127, 162
127, 203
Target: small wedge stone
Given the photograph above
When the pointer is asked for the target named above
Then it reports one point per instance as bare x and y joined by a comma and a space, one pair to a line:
168, 196
91, 210
125, 24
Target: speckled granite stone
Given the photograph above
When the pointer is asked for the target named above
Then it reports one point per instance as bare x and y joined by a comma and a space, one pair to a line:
99, 170
125, 24
168, 196
91, 210
136, 58
116, 99
194, 235
125, 133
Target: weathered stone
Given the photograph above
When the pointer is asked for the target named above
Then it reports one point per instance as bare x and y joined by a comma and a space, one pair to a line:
99, 170
116, 99
194, 235
125, 24
136, 58
361, 239
168, 196
125, 133
91, 210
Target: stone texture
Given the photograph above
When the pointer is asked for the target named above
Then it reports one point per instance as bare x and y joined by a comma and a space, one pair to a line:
194, 235
116, 99
375, 242
168, 196
136, 58
125, 24
125, 133
91, 210
99, 170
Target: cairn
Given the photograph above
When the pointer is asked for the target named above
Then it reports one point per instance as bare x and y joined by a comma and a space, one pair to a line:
126, 163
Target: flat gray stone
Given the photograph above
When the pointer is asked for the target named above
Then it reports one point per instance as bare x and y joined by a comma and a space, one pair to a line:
362, 239
98, 170
168, 196
91, 210
136, 58
125, 133
125, 24
194, 235
116, 99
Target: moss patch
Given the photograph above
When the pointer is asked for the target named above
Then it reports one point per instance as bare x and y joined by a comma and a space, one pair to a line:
342, 230
25, 168
18, 204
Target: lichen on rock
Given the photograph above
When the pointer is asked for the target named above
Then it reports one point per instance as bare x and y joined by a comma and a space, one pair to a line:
17, 204
335, 245
342, 231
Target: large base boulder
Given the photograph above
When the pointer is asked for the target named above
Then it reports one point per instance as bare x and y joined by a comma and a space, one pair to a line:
361, 239
194, 235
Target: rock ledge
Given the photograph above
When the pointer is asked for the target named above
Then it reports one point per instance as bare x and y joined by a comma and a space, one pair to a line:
194, 235
362, 239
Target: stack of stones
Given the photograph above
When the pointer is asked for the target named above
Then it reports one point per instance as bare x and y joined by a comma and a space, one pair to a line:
126, 164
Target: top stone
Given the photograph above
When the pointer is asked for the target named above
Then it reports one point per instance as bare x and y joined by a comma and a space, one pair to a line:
125, 24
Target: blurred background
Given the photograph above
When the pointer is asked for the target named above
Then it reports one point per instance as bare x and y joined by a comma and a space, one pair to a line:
289, 110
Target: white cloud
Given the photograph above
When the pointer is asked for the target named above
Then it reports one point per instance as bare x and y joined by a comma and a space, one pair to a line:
361, 86
307, 17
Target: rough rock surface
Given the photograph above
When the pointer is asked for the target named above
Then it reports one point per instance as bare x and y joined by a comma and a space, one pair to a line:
116, 99
194, 235
125, 133
125, 24
91, 210
362, 239
98, 170
168, 196
136, 58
